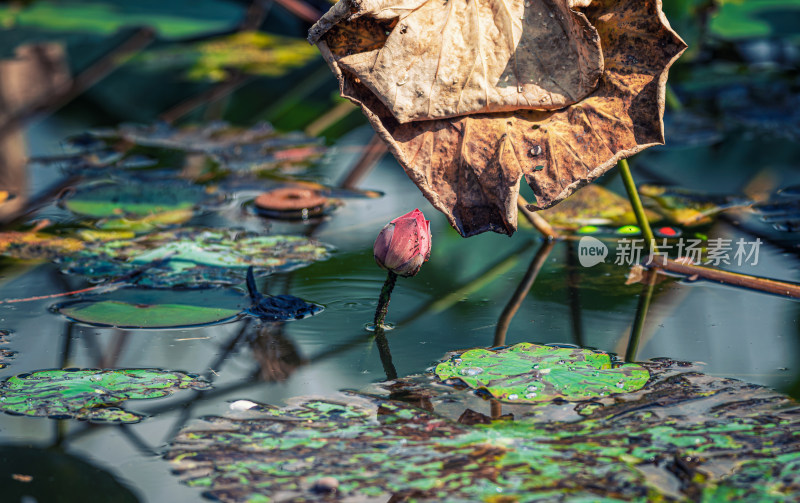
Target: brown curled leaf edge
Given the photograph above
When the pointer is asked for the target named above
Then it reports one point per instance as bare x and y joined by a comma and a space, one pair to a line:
468, 163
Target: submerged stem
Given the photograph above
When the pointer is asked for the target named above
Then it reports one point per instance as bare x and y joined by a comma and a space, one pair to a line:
636, 203
383, 301
641, 313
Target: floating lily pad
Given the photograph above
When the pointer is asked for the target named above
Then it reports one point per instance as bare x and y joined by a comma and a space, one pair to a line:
134, 200
90, 394
739, 442
194, 257
146, 308
532, 373
593, 205
251, 53
232, 149
687, 207
173, 20
36, 246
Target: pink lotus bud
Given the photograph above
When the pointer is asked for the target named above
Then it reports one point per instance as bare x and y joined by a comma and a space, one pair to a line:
404, 244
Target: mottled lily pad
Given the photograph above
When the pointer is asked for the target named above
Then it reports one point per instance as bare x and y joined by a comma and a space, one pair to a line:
230, 148
147, 308
134, 200
594, 205
532, 373
739, 443
36, 245
194, 257
90, 394
687, 207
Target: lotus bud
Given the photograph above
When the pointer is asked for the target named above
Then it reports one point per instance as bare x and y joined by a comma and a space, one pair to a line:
404, 244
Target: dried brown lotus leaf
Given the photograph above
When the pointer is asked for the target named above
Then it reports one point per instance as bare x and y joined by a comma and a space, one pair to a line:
445, 59
470, 167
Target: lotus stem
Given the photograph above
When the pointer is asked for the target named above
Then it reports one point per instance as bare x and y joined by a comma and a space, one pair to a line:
641, 314
520, 293
536, 220
385, 353
383, 301
636, 203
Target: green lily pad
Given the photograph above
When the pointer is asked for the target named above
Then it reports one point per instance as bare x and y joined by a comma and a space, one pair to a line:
251, 53
135, 308
194, 257
90, 394
687, 207
176, 19
133, 200
532, 373
592, 205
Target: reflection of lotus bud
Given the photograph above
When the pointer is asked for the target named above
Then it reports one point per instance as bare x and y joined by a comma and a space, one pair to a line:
404, 244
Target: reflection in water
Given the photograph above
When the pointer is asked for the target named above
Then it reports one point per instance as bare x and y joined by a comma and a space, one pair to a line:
26, 81
47, 475
275, 353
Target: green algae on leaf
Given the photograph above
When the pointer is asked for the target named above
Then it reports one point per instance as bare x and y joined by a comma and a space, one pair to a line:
136, 308
90, 394
194, 257
533, 373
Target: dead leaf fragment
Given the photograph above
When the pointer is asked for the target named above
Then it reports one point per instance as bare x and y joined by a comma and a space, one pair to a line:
470, 166
445, 59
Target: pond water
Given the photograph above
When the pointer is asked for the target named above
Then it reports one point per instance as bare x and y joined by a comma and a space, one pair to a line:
454, 303
718, 144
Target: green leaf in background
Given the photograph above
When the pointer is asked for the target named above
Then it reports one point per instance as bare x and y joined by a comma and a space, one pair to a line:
686, 207
532, 373
251, 53
173, 19
90, 394
134, 308
36, 245
592, 205
137, 200
738, 19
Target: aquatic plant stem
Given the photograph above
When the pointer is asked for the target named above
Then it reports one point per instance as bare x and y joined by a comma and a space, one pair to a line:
385, 354
383, 301
536, 220
641, 314
636, 203
520, 293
